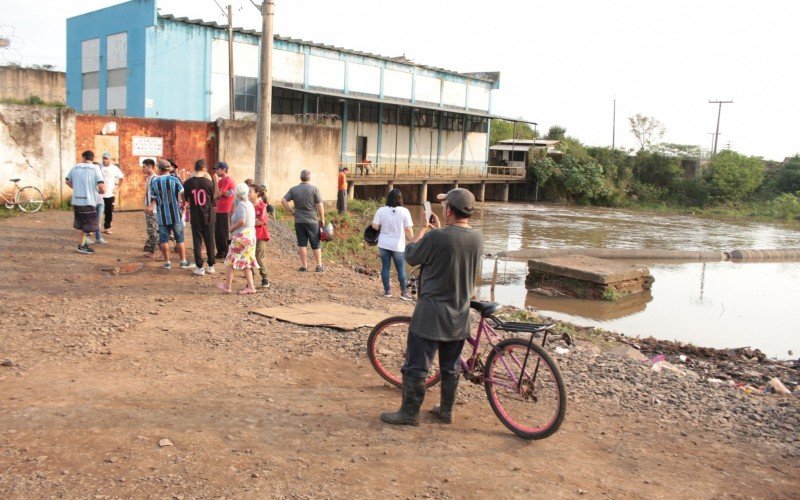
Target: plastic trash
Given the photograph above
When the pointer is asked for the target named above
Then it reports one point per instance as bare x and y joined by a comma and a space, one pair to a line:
666, 365
657, 359
561, 350
715, 381
778, 387
683, 358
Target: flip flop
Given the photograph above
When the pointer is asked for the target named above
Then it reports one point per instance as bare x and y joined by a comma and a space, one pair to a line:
246, 291
224, 289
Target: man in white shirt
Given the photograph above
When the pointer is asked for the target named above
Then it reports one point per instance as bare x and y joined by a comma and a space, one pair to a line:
112, 177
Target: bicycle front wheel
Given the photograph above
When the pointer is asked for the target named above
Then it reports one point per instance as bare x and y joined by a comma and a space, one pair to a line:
386, 349
532, 404
29, 199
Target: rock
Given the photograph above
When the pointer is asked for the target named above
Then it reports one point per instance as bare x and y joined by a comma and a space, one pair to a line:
165, 442
7, 362
627, 351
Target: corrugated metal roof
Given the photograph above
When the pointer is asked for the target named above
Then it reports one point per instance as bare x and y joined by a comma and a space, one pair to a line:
484, 76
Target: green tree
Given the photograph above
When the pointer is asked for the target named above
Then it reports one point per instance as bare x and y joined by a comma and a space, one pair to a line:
733, 176
646, 129
657, 169
787, 178
502, 130
556, 133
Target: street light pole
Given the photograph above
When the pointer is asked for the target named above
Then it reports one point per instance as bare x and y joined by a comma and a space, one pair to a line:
264, 124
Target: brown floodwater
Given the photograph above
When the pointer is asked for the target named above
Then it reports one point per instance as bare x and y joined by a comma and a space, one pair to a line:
715, 304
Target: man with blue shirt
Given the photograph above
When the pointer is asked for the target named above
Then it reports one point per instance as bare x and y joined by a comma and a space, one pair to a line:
87, 185
166, 198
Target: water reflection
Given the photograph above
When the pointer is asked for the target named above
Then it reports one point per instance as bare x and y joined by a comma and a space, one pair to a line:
718, 304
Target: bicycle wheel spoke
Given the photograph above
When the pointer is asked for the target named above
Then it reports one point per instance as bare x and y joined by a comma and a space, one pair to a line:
532, 404
387, 350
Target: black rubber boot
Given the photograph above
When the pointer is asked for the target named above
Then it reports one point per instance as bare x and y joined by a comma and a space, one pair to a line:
448, 397
413, 395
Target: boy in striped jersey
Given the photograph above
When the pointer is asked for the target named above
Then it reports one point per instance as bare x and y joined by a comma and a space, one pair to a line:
166, 198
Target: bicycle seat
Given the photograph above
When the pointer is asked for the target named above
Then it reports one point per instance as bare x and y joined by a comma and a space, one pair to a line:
14, 180
485, 308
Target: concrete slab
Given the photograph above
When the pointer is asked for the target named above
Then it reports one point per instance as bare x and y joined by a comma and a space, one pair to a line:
328, 314
591, 269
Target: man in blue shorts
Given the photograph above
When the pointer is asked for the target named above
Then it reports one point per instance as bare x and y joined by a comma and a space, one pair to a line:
166, 198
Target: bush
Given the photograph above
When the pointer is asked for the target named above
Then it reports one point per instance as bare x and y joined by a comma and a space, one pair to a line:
733, 176
786, 206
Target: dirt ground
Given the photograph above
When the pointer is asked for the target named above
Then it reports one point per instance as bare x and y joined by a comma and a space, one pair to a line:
104, 367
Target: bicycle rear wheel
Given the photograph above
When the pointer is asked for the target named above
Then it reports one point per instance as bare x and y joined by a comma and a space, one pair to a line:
386, 349
534, 408
29, 199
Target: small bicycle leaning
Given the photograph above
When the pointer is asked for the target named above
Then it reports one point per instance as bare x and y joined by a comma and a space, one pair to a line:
27, 199
523, 383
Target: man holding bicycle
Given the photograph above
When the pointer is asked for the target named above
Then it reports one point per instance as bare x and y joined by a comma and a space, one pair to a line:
450, 260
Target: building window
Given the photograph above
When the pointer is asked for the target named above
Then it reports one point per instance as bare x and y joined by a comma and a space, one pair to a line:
117, 74
286, 101
245, 93
90, 72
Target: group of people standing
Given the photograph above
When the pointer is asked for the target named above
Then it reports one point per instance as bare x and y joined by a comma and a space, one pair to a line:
228, 221
224, 219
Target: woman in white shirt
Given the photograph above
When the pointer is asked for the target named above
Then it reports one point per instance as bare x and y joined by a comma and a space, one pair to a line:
394, 223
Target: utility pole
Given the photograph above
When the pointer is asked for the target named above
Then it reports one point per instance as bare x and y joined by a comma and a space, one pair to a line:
614, 125
265, 94
231, 94
719, 113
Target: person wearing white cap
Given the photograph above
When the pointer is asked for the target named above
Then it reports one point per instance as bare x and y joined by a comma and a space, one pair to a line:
112, 177
450, 260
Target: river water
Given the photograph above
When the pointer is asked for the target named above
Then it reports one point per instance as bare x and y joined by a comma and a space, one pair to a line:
714, 304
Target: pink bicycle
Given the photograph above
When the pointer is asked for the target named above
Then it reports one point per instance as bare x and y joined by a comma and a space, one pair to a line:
523, 383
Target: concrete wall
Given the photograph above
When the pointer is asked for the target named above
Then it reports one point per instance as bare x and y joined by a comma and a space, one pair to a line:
182, 141
21, 83
37, 145
294, 147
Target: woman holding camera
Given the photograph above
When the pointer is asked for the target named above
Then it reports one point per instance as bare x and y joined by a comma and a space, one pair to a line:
394, 223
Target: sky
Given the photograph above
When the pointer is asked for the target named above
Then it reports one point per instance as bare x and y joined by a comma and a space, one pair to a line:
561, 62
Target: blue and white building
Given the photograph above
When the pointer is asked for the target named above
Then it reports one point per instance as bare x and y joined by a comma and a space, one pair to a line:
130, 60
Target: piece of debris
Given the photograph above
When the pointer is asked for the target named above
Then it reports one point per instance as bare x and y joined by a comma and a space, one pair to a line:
165, 442
7, 362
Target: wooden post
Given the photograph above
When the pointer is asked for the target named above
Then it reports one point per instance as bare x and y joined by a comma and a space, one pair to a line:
390, 186
482, 195
506, 186
351, 190
423, 192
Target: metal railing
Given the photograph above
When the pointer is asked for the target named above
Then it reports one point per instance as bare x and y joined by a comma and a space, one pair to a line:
391, 171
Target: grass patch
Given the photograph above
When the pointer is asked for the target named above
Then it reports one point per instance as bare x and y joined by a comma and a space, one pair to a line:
348, 247
7, 213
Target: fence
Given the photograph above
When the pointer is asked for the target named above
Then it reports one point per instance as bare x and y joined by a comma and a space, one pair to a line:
369, 171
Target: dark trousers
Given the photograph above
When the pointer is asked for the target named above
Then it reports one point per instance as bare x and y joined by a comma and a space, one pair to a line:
202, 232
341, 201
420, 353
221, 234
109, 212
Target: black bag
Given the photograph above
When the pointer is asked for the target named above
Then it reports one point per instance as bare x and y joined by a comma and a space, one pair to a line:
371, 235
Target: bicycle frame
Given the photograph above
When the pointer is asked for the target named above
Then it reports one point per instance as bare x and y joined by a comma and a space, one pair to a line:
14, 191
468, 365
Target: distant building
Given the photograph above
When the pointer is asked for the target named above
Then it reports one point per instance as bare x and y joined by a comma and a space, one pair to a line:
130, 60
514, 152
